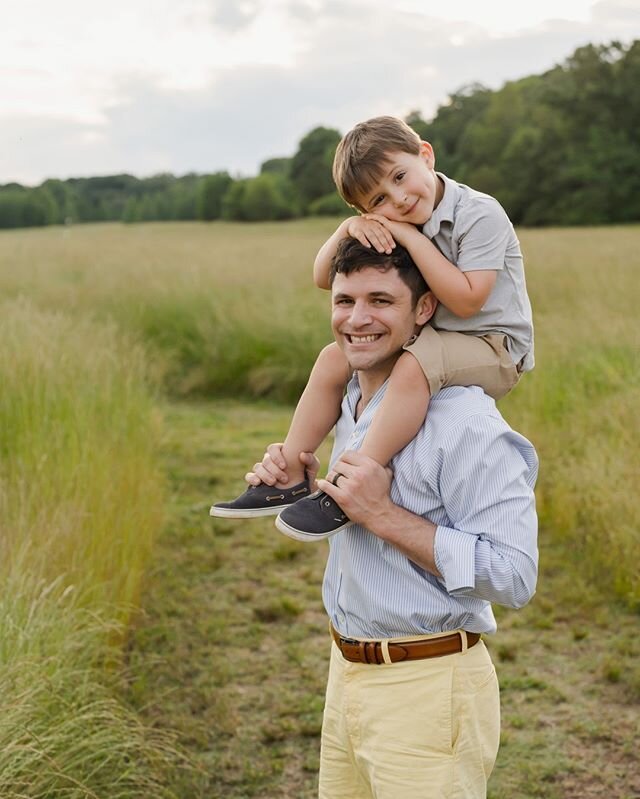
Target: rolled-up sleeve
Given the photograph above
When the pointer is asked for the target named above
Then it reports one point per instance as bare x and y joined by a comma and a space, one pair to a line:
488, 548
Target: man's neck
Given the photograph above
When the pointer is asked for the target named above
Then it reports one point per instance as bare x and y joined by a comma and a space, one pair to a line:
369, 381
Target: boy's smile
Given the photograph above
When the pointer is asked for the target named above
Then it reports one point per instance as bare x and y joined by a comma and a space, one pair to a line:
409, 189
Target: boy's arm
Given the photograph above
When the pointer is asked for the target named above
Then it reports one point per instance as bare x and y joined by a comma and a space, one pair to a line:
463, 293
369, 232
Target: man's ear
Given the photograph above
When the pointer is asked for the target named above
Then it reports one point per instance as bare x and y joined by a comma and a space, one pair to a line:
426, 307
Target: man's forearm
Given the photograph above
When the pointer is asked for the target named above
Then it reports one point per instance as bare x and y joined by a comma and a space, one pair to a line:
411, 534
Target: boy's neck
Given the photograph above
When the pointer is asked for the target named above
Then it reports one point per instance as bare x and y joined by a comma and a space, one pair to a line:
439, 192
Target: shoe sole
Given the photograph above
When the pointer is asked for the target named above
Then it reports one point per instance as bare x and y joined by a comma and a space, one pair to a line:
301, 535
245, 513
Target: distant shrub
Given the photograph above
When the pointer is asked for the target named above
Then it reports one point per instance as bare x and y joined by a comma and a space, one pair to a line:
330, 205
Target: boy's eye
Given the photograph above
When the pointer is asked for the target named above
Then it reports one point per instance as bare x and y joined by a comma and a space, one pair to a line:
399, 176
377, 200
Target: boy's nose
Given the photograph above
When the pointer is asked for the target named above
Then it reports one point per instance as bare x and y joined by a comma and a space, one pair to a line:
400, 199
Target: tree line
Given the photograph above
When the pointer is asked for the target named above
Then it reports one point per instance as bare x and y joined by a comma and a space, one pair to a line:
560, 148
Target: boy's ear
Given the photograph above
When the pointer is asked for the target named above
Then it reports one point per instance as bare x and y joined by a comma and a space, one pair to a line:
426, 151
426, 307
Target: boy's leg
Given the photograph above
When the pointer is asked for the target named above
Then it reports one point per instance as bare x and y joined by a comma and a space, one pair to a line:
401, 412
317, 411
456, 359
395, 423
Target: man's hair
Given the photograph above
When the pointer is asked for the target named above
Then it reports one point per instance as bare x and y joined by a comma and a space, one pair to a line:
352, 256
363, 152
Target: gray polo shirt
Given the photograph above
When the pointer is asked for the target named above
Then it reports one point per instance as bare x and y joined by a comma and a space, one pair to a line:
473, 232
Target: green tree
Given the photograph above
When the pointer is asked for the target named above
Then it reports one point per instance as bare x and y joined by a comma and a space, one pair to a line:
311, 165
330, 205
233, 200
65, 201
23, 207
211, 191
265, 198
277, 166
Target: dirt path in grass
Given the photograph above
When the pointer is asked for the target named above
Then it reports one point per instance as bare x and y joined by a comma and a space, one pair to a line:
231, 650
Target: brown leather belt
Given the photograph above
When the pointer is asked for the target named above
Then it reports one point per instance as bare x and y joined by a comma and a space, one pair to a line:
373, 652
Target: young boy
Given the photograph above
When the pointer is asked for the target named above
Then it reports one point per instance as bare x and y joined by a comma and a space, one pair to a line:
481, 334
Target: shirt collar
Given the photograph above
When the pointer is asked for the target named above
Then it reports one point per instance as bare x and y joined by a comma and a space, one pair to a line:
353, 397
445, 211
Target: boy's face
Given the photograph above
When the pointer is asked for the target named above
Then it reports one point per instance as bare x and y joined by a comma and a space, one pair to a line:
409, 189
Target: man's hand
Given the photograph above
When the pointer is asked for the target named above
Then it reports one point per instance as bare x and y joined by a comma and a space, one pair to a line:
369, 230
362, 490
272, 468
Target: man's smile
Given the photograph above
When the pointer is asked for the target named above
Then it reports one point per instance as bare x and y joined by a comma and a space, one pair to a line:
362, 338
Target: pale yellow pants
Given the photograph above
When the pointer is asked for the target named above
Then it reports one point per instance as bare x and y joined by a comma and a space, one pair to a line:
423, 729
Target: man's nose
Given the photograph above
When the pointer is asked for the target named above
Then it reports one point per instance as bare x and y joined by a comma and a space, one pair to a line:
360, 315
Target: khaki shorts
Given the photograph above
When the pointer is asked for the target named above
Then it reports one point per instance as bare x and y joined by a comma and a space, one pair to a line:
457, 359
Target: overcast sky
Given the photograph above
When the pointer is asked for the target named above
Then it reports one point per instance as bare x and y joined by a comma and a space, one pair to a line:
148, 86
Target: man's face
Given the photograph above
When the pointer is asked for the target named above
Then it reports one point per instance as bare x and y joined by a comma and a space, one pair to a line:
373, 317
409, 189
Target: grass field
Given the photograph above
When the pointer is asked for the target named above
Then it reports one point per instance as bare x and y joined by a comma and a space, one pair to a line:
229, 654
232, 650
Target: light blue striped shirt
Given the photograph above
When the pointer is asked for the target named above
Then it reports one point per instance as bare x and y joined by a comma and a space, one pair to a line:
470, 474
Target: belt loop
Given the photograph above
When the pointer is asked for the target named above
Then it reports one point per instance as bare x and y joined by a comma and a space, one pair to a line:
386, 657
463, 640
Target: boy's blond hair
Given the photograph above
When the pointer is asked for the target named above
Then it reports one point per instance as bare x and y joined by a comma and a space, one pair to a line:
363, 152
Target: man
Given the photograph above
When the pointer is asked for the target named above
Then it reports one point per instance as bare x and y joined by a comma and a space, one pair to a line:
412, 707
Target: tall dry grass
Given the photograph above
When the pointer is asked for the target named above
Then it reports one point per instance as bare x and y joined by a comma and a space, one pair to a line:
80, 502
230, 309
580, 404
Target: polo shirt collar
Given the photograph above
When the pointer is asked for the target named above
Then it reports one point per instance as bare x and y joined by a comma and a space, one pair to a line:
445, 212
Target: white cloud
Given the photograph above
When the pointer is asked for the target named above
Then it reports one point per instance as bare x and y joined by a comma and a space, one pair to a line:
154, 85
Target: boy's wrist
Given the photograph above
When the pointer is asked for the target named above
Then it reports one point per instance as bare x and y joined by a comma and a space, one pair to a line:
344, 226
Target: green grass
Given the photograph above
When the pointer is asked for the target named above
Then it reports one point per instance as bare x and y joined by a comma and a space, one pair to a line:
229, 310
232, 652
80, 503
230, 648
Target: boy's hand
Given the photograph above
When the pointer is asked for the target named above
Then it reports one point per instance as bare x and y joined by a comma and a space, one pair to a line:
402, 232
369, 231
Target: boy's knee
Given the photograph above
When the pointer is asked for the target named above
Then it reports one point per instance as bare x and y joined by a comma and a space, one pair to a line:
332, 356
407, 368
332, 363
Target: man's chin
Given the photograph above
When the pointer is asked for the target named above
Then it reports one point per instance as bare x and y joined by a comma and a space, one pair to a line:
361, 362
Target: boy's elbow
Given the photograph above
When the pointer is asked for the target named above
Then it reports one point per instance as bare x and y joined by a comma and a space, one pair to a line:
469, 306
467, 309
